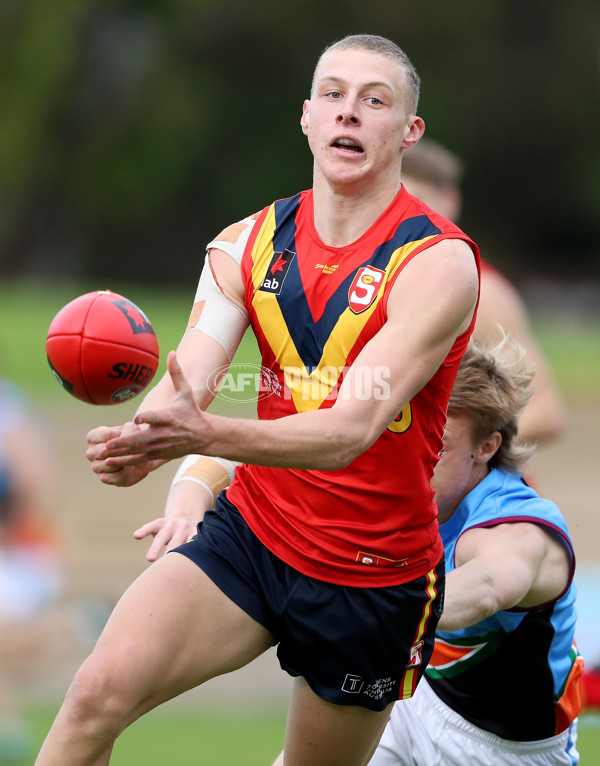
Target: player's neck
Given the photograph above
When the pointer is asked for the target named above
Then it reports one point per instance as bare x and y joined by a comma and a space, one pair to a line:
342, 218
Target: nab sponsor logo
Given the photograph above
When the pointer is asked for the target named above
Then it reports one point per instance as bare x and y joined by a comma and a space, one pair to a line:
138, 321
277, 272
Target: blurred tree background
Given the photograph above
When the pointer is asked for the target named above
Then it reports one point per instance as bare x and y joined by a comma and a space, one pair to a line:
132, 132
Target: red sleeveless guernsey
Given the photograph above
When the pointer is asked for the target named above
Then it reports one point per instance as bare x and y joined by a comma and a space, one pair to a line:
312, 309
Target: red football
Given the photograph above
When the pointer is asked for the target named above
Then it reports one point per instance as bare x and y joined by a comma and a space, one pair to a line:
102, 348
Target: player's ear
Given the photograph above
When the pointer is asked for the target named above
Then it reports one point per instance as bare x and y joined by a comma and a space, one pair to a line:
415, 127
488, 447
304, 120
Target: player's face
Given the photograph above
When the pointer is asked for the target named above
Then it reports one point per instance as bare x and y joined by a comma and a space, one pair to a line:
456, 472
356, 119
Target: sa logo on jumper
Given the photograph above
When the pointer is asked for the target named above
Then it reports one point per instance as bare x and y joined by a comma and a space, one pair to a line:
277, 272
364, 288
137, 319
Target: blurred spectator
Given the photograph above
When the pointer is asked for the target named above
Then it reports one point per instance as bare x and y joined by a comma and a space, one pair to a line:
433, 174
30, 558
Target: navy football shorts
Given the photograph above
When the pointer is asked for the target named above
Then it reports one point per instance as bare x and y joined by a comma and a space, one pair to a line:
353, 646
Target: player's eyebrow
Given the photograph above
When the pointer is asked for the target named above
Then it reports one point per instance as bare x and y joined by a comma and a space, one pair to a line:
334, 80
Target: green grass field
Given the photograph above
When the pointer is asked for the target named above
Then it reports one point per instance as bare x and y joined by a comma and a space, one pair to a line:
193, 738
196, 738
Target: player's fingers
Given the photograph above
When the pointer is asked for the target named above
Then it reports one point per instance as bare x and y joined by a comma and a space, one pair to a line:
101, 466
162, 539
150, 528
126, 476
155, 549
96, 453
181, 535
109, 464
180, 383
102, 434
115, 479
154, 418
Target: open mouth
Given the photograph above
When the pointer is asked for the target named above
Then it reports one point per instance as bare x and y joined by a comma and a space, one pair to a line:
348, 145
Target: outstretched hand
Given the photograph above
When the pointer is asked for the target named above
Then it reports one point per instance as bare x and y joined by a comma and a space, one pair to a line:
167, 534
186, 504
113, 470
178, 429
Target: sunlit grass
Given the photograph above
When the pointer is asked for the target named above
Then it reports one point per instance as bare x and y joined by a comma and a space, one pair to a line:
192, 737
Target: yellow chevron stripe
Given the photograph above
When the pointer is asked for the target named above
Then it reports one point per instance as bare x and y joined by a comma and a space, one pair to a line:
310, 390
262, 251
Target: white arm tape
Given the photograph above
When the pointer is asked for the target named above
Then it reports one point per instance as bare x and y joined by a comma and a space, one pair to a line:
220, 318
212, 473
235, 249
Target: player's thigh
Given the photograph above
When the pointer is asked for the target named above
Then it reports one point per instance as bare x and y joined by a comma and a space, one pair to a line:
320, 733
172, 630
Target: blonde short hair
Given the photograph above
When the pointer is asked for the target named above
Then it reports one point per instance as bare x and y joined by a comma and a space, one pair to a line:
492, 387
385, 47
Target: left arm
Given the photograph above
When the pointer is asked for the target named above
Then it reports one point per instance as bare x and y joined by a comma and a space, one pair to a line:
501, 567
431, 303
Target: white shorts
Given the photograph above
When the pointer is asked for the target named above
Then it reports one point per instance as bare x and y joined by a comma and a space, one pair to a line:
424, 731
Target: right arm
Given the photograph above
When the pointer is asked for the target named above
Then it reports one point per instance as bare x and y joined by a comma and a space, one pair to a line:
431, 303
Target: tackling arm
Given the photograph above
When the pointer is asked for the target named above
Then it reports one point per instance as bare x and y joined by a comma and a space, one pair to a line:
501, 567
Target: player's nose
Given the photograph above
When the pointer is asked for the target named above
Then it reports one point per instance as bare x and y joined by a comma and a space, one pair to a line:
348, 112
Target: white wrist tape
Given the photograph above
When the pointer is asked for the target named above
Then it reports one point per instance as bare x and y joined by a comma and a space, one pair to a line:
213, 473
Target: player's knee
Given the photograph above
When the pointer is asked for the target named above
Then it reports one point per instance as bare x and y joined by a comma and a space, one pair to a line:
96, 699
